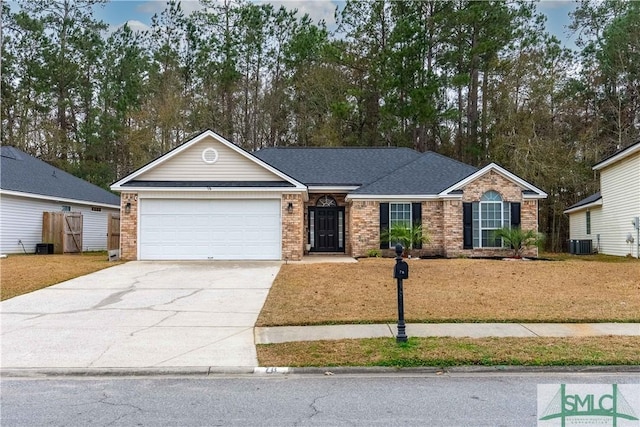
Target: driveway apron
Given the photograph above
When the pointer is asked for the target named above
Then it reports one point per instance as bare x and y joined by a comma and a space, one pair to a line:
140, 314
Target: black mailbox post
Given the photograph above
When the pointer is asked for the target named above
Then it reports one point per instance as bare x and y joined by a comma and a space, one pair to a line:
400, 272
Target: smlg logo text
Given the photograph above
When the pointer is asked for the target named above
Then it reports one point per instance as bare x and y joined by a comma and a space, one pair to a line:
616, 405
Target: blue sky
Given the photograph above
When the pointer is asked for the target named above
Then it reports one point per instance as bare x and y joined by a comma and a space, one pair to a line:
117, 12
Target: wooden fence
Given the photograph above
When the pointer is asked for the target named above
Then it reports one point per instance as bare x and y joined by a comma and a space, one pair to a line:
64, 230
113, 232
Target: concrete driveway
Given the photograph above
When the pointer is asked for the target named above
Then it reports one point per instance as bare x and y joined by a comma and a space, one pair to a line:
140, 315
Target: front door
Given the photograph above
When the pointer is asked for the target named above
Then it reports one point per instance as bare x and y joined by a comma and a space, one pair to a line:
326, 230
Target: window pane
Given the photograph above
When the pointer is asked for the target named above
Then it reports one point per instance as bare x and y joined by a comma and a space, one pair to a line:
491, 196
340, 229
399, 213
475, 215
312, 228
506, 214
491, 215
489, 239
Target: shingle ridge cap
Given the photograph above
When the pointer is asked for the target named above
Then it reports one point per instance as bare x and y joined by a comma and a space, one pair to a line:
373, 147
450, 159
404, 165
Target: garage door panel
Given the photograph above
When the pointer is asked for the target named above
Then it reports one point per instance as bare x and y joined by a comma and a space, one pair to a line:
210, 229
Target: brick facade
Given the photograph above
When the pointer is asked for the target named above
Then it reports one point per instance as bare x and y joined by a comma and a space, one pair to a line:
441, 218
129, 226
433, 222
510, 192
364, 220
443, 221
293, 227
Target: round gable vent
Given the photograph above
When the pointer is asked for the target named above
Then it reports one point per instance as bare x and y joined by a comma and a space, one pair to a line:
209, 155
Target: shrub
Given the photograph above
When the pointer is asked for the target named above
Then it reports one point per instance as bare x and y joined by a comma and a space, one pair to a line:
374, 253
519, 239
407, 235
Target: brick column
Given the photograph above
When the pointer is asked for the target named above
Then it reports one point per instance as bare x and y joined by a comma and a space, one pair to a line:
292, 227
129, 226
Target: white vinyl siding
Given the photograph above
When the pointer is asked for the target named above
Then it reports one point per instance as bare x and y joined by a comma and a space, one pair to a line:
189, 166
620, 189
21, 219
213, 229
578, 226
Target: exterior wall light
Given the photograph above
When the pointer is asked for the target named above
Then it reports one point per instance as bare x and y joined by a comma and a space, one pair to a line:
127, 208
290, 207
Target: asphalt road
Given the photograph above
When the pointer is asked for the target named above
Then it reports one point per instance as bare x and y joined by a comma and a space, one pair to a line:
479, 399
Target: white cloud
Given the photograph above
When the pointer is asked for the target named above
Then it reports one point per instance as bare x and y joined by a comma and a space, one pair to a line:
135, 25
317, 10
157, 6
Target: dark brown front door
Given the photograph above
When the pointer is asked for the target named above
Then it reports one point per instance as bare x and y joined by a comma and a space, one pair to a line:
326, 230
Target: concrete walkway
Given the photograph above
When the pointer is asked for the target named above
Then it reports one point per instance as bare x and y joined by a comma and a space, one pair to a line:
272, 335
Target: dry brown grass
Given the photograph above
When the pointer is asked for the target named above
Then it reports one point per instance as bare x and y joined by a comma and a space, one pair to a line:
456, 290
454, 351
21, 274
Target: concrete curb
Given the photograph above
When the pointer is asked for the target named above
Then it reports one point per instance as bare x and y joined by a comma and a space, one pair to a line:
344, 370
124, 372
208, 371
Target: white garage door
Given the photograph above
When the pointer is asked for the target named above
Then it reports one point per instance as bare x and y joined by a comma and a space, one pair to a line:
178, 229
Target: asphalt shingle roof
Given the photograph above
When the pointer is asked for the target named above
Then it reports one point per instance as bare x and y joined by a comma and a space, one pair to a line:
194, 184
24, 173
377, 171
337, 166
430, 173
592, 198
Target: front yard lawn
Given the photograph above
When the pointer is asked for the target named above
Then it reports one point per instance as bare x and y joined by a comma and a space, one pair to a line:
441, 352
20, 274
456, 290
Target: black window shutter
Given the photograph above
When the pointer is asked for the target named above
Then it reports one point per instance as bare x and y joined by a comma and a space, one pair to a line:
416, 216
515, 215
467, 221
384, 224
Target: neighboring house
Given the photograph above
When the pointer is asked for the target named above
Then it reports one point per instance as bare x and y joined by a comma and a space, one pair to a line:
29, 187
606, 218
209, 199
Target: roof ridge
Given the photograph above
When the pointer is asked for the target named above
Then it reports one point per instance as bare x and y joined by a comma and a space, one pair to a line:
451, 159
404, 165
299, 147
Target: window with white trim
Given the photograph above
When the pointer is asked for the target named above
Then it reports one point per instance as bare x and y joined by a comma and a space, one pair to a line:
399, 213
489, 215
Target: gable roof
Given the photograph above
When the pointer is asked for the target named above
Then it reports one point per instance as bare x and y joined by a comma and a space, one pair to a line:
23, 173
337, 166
587, 202
130, 180
428, 175
617, 156
529, 191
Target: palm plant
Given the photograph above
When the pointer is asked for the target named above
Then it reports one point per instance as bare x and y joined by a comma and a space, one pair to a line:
519, 239
408, 235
